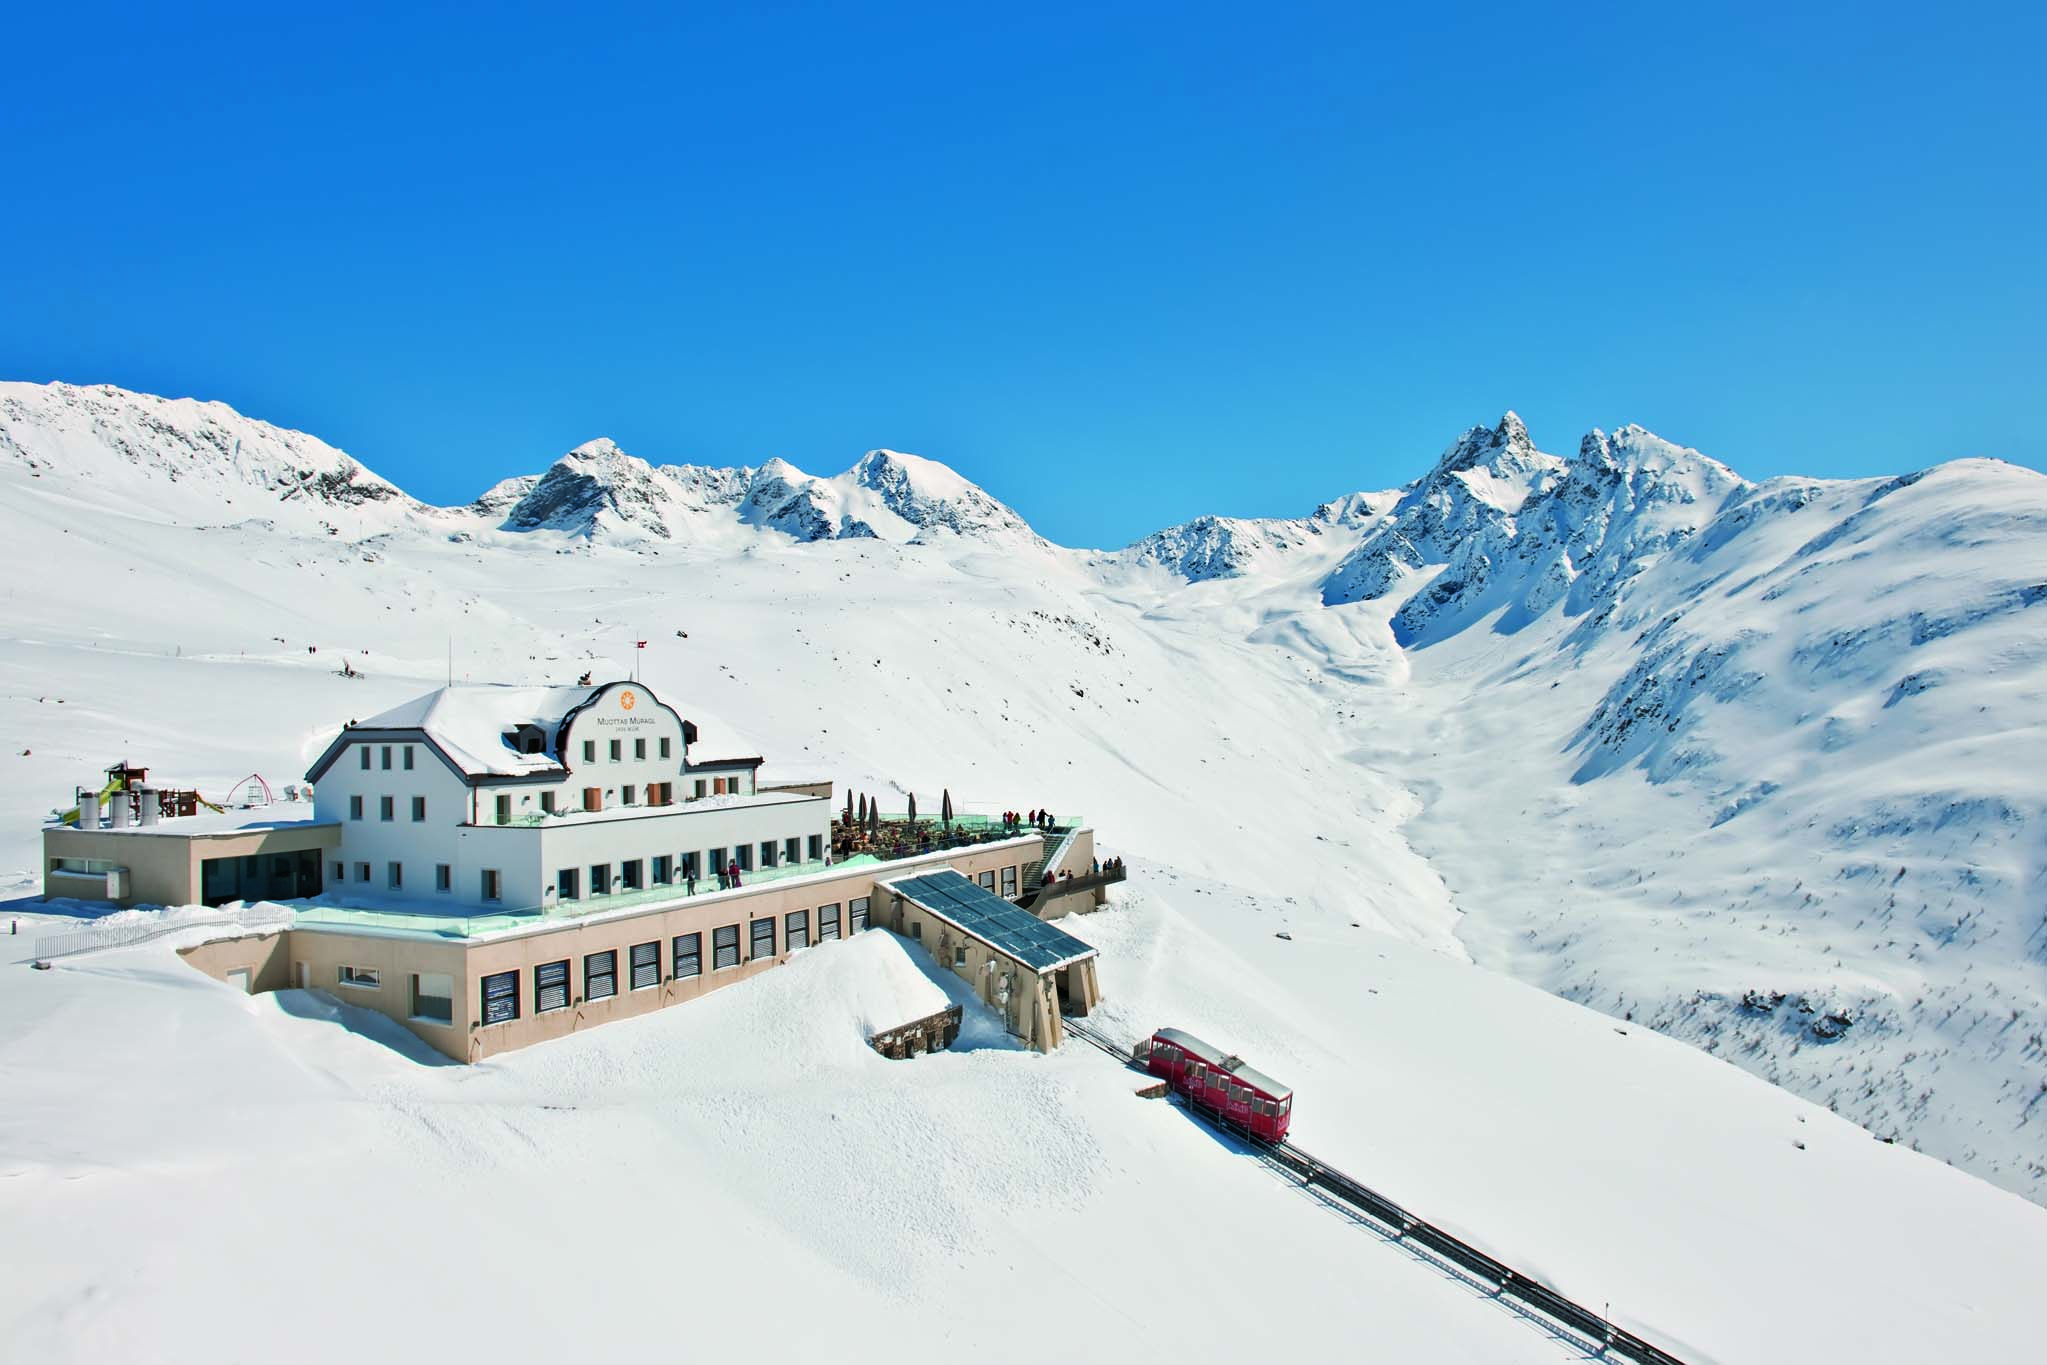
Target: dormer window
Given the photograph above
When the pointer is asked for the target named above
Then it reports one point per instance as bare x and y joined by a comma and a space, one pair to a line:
527, 739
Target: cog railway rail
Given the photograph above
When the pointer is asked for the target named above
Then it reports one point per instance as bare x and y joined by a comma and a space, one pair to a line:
1604, 1337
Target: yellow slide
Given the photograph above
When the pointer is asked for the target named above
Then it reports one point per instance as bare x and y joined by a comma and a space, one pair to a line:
70, 817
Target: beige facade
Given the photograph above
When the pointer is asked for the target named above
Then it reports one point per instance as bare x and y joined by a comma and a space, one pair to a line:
165, 864
387, 972
1078, 858
1030, 1002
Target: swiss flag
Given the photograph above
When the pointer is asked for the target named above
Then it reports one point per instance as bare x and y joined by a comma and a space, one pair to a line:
641, 645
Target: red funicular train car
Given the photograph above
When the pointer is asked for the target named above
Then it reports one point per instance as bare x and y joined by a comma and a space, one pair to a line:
1221, 1083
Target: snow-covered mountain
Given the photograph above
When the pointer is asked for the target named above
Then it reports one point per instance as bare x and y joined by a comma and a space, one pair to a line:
1756, 763
1237, 547
598, 491
184, 460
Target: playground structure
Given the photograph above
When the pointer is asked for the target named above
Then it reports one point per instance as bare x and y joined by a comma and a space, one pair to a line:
127, 798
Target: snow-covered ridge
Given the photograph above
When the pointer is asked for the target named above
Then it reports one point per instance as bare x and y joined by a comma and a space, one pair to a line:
180, 459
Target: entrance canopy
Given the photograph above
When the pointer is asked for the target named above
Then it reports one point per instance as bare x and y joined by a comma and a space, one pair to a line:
980, 913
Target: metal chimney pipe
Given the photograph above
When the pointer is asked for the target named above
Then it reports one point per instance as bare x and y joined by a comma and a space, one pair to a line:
88, 808
118, 808
151, 804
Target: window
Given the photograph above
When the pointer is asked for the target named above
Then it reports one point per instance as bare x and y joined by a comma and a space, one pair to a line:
700, 787
856, 914
362, 872
796, 930
792, 850
646, 965
600, 975
660, 793
418, 809
1009, 883
408, 758
689, 956
626, 795
565, 884
827, 921
394, 875
504, 809
433, 994
986, 880
387, 808
593, 798
493, 885
355, 804
444, 877
663, 869
551, 986
589, 751
547, 803
767, 853
689, 866
743, 855
816, 849
718, 863
500, 997
629, 875
725, 947
959, 956
664, 746
917, 930
363, 978
365, 752
340, 872
600, 879
639, 748
763, 945
387, 758
616, 745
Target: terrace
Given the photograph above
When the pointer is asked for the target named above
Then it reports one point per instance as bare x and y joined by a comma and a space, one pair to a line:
876, 845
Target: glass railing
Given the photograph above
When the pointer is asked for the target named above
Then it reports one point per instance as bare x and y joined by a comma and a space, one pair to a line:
898, 840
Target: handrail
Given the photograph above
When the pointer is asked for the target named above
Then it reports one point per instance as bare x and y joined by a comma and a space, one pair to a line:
52, 946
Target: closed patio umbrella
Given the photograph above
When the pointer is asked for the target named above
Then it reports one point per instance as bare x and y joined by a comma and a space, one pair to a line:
913, 808
945, 809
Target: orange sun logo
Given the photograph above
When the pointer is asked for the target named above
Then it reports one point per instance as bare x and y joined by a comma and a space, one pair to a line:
625, 700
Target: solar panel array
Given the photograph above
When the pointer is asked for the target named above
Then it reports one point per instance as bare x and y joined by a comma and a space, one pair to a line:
988, 917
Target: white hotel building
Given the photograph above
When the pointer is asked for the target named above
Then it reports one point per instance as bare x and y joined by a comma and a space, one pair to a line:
517, 798
494, 867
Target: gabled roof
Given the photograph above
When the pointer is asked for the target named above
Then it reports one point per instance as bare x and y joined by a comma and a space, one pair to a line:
469, 723
466, 726
980, 913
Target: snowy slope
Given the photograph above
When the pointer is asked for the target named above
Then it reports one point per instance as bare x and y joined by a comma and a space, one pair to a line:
1621, 724
188, 462
684, 1155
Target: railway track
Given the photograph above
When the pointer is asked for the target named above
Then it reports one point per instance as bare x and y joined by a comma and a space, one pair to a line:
1502, 1280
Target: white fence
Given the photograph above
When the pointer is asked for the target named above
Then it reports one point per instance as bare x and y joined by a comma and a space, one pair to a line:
141, 931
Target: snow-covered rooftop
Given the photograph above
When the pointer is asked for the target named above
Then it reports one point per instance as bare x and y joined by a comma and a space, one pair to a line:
469, 722
280, 815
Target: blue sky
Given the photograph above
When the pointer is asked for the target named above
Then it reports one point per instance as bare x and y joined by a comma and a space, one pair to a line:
1121, 264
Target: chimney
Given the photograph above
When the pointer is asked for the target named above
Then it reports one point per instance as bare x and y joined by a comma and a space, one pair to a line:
151, 804
118, 808
88, 808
